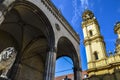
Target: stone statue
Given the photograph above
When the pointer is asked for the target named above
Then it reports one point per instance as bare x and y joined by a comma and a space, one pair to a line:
7, 58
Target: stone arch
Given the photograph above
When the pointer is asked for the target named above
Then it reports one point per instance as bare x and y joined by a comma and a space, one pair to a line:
34, 35
65, 48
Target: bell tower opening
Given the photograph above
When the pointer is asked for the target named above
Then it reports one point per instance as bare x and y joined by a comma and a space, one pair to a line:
96, 55
91, 33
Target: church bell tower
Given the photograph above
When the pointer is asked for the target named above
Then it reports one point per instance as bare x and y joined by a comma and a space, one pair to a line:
93, 41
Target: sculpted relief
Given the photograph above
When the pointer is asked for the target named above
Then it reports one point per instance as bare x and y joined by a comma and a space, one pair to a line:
7, 58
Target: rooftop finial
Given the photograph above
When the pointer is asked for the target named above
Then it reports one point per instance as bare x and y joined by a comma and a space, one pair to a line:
117, 26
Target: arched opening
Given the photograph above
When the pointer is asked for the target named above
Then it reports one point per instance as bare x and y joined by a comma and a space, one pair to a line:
64, 67
33, 38
96, 55
91, 33
66, 48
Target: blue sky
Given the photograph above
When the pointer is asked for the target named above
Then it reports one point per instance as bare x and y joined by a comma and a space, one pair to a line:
107, 13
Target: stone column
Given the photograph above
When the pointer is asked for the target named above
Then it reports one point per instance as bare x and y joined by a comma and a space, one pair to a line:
77, 75
50, 65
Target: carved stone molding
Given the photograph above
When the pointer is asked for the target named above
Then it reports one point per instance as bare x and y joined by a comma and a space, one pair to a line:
93, 39
57, 27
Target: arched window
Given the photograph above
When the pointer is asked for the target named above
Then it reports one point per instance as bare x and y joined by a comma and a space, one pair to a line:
90, 32
96, 55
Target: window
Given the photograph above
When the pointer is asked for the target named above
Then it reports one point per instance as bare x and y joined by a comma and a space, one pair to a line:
96, 55
91, 33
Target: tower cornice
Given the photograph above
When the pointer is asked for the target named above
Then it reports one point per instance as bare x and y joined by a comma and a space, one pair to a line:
93, 39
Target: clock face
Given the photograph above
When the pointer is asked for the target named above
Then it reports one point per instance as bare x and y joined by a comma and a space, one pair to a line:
89, 27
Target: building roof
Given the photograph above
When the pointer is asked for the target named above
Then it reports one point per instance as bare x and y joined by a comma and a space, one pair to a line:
84, 74
71, 76
62, 77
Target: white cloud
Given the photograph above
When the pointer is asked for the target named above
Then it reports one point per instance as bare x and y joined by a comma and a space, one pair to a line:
78, 9
62, 5
75, 11
84, 4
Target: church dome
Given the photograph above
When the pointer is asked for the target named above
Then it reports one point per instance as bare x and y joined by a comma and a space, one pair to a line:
87, 15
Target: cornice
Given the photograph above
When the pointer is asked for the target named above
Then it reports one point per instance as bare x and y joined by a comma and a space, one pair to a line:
107, 66
60, 18
93, 39
104, 67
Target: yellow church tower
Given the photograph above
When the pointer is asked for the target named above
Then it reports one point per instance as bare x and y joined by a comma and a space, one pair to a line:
100, 66
93, 41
